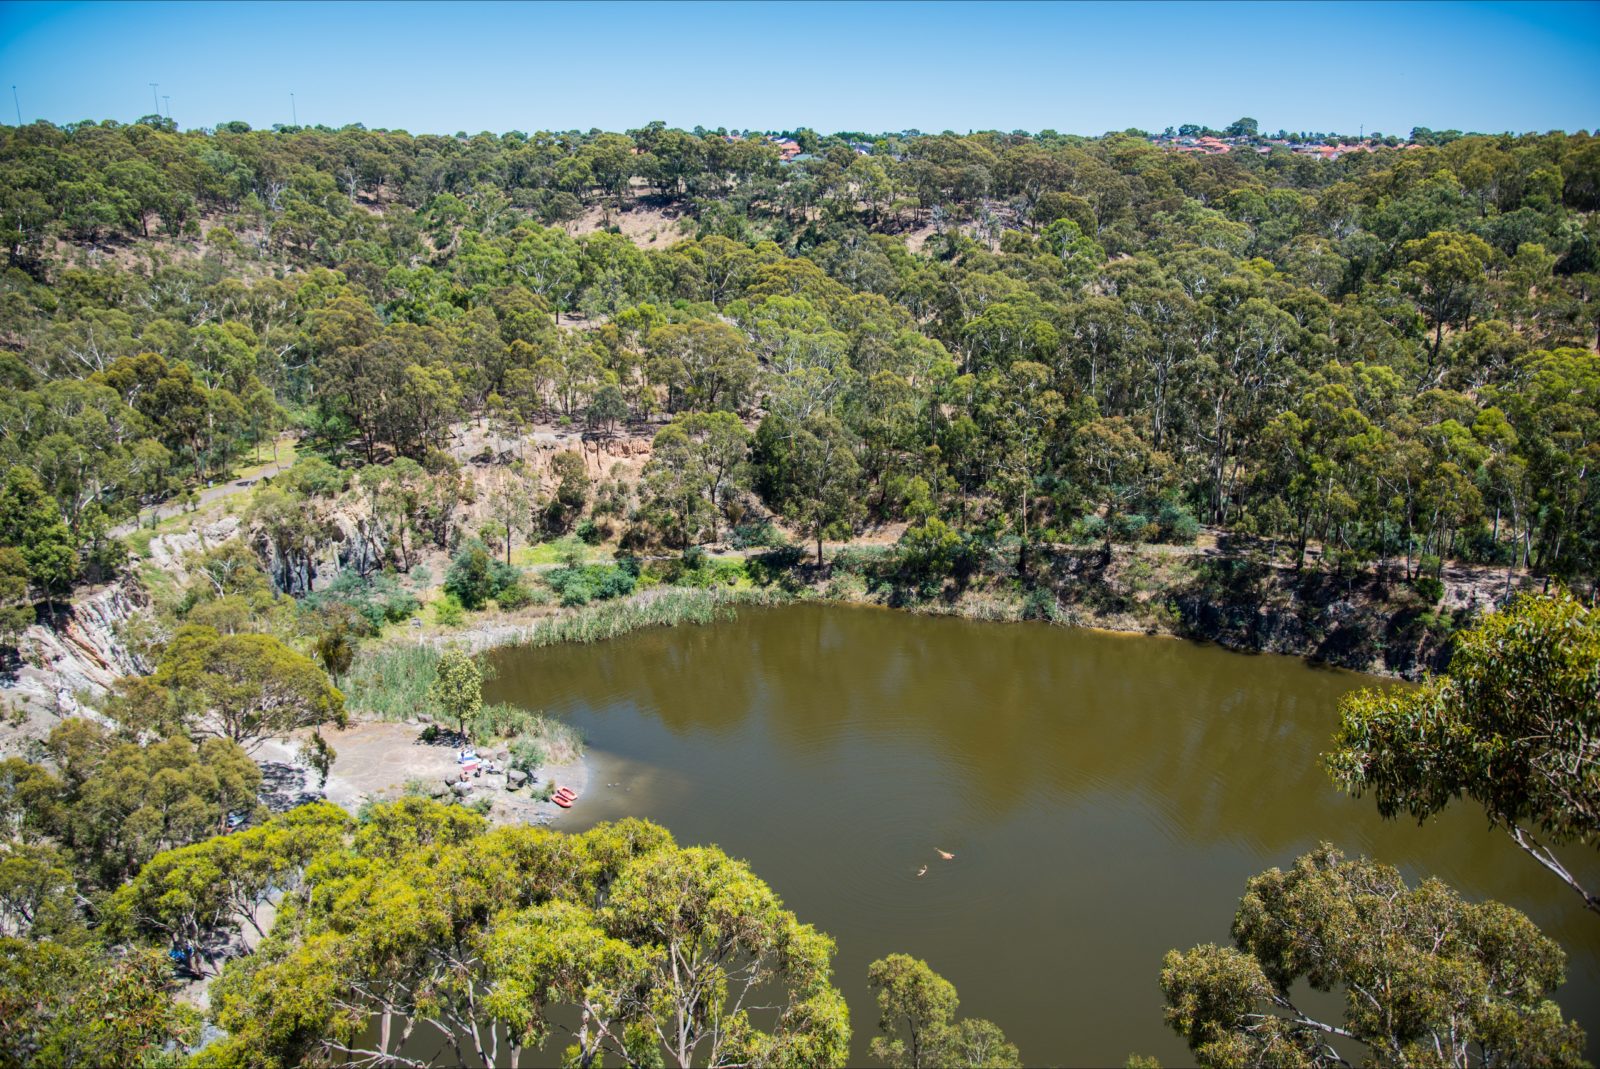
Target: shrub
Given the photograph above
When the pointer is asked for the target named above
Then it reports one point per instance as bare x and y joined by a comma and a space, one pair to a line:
470, 578
1041, 604
589, 533
375, 599
1177, 525
476, 576
593, 582
1131, 527
1087, 530
1430, 589
931, 551
448, 612
755, 536
499, 721
515, 596
526, 754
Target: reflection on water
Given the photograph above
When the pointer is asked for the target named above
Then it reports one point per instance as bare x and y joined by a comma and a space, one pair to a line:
1106, 798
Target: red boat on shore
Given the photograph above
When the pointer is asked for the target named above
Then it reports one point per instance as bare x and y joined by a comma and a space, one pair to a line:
564, 797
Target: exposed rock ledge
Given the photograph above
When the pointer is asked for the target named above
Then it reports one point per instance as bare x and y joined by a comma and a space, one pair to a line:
79, 652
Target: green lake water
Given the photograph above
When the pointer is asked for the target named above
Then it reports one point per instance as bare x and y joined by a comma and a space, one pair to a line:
1106, 798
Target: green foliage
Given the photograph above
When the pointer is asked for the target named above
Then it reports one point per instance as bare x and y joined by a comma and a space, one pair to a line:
475, 576
673, 940
245, 688
1429, 976
66, 1006
1511, 726
448, 612
594, 582
376, 599
917, 1016
391, 682
931, 552
1431, 590
457, 688
113, 804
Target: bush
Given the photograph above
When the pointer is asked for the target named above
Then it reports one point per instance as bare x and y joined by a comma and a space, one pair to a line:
447, 611
589, 533
375, 599
775, 566
1041, 604
1430, 589
501, 720
1087, 530
476, 576
931, 552
513, 597
470, 578
526, 754
1177, 525
1131, 527
755, 536
593, 582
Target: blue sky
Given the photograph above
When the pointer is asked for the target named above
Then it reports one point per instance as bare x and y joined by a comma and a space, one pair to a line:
1078, 68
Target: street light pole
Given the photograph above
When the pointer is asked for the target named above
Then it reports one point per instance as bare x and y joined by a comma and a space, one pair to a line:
153, 98
294, 111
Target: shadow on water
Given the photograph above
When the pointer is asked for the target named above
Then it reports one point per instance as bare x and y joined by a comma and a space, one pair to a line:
1106, 798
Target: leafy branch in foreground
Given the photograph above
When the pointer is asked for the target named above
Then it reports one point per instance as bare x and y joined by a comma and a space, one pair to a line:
1514, 725
1427, 978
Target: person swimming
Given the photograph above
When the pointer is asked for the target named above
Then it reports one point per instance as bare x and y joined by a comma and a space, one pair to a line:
944, 854
923, 871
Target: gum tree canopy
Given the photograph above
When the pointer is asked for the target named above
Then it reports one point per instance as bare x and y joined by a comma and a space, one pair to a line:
1514, 725
1427, 978
630, 948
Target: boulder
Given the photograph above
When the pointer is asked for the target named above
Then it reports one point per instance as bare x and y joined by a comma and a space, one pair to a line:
438, 790
461, 787
502, 756
515, 778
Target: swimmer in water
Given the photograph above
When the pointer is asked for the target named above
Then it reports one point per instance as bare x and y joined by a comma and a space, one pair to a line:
944, 854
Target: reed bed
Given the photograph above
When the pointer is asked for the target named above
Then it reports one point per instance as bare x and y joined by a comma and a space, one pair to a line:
392, 681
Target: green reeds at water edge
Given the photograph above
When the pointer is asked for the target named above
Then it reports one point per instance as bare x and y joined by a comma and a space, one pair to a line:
662, 607
391, 682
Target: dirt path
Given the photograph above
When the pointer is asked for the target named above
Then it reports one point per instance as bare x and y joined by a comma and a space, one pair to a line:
207, 497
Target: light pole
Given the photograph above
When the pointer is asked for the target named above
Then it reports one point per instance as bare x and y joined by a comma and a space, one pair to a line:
153, 99
18, 103
168, 101
293, 111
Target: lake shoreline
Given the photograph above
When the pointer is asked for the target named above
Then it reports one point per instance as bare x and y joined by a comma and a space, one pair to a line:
677, 606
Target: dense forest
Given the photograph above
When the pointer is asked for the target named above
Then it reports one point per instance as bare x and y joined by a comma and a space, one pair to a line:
1371, 361
1390, 355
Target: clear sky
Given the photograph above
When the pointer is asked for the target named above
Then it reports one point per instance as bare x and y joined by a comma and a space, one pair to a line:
1076, 67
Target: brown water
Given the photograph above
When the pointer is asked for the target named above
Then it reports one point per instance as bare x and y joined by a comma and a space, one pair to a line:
1106, 798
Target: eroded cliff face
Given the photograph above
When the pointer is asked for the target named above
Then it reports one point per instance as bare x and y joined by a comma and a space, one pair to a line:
79, 654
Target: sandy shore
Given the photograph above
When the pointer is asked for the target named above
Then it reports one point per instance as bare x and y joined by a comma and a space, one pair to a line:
383, 760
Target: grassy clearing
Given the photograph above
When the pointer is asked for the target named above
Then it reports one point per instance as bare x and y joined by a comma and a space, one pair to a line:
556, 553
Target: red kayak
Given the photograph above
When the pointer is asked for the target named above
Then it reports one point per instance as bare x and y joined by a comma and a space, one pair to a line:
564, 797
